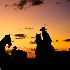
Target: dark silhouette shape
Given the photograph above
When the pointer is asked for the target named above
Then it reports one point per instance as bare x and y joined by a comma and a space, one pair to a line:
47, 49
45, 53
4, 56
15, 47
4, 41
22, 54
39, 48
46, 40
18, 54
45, 35
13, 53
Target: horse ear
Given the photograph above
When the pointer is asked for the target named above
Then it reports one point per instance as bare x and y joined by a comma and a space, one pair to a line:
9, 34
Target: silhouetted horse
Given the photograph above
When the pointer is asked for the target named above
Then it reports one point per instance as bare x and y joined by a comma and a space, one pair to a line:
39, 48
6, 40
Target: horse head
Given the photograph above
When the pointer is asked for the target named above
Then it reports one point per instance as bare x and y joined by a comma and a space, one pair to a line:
38, 38
8, 40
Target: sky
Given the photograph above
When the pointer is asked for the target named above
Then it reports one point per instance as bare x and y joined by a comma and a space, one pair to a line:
22, 19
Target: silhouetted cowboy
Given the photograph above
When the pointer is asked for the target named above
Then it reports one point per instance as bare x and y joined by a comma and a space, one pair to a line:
48, 48
45, 36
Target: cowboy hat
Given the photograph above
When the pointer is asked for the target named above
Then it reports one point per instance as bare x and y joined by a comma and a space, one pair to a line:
42, 29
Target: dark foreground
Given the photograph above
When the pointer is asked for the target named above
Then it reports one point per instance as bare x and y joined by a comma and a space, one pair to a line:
46, 56
30, 63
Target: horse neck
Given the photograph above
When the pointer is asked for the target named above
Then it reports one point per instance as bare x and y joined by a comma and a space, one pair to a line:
39, 43
3, 41
2, 44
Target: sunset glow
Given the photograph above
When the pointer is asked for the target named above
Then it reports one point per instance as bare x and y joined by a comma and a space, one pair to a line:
28, 21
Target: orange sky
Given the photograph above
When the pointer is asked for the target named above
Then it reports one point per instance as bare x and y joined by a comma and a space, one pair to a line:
54, 16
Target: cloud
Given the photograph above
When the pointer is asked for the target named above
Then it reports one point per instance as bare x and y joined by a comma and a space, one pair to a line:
4, 18
53, 27
32, 42
36, 2
12, 41
19, 5
32, 37
28, 28
56, 40
60, 19
33, 49
20, 36
20, 29
67, 40
7, 5
68, 0
22, 3
57, 3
